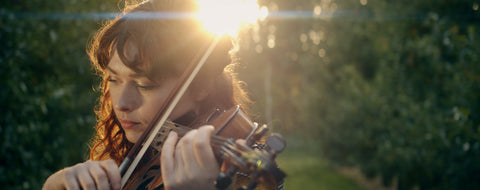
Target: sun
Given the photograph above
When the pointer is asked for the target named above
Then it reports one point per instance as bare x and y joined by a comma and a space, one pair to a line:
227, 16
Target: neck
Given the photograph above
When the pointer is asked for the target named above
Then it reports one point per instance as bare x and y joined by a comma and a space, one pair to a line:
186, 119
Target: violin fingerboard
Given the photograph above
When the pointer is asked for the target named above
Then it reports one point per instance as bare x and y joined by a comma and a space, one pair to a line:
157, 142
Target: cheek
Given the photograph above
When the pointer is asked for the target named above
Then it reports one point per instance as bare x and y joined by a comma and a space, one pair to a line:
185, 105
114, 94
152, 106
152, 103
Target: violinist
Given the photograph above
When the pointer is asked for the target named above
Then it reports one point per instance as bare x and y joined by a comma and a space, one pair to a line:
140, 56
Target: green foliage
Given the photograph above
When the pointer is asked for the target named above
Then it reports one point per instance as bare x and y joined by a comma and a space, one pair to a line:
46, 97
392, 87
417, 120
306, 169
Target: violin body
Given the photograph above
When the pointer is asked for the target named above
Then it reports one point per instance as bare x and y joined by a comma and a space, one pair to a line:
229, 125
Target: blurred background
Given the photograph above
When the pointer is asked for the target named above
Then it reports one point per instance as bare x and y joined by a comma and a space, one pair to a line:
369, 94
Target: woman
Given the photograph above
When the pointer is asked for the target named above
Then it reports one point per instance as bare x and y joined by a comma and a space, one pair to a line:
140, 57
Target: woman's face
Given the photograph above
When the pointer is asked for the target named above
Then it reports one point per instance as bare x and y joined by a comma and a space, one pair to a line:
136, 99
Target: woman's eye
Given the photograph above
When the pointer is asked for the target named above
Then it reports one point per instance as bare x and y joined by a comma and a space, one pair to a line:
147, 87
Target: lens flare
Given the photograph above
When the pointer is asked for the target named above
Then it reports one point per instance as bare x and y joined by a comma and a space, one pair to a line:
227, 16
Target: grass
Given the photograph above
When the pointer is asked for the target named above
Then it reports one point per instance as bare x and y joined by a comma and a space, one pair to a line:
307, 170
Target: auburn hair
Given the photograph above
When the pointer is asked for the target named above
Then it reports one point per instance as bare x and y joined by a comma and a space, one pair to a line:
168, 39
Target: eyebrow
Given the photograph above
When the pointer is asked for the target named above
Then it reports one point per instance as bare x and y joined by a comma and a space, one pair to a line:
134, 75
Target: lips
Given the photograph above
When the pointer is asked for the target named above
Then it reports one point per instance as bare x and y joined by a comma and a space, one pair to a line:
127, 124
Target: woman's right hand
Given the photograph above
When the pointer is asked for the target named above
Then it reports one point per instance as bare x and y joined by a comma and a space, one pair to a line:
88, 175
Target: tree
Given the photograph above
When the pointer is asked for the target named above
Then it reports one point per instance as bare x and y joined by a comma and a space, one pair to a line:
389, 87
46, 98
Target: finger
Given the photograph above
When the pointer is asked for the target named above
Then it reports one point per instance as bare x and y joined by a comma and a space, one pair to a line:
70, 179
113, 173
99, 176
186, 150
203, 150
242, 142
167, 161
84, 177
180, 171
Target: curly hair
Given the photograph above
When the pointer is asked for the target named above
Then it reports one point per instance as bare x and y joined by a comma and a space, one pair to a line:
167, 46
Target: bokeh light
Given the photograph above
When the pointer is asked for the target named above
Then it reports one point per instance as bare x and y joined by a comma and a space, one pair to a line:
227, 16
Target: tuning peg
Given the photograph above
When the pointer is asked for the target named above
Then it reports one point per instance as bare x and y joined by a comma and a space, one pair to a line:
225, 179
257, 134
276, 143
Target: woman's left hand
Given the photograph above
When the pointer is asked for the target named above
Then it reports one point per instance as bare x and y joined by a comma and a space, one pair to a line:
190, 163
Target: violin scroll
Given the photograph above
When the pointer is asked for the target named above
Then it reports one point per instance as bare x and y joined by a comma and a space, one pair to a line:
257, 160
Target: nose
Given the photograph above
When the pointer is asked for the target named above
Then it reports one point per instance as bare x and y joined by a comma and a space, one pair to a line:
127, 99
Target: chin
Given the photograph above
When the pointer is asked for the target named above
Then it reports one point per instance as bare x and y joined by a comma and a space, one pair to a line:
132, 138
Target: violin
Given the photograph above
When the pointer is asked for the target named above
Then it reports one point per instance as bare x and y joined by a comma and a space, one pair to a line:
229, 125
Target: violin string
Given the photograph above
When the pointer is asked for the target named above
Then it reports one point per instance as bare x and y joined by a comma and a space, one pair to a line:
218, 141
233, 148
181, 131
228, 151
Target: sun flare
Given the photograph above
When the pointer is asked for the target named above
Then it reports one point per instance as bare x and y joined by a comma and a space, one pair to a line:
227, 16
